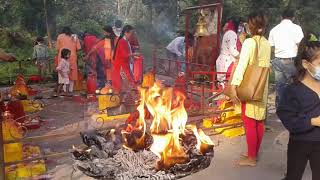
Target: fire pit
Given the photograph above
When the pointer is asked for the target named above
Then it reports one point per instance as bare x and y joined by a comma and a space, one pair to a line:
169, 149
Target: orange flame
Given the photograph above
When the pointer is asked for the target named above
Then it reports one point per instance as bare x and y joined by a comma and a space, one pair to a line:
203, 141
169, 122
138, 139
170, 118
141, 123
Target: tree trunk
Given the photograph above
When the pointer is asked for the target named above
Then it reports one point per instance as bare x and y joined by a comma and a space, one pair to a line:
119, 7
47, 23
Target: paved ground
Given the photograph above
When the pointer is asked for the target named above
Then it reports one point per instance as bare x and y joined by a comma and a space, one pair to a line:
271, 166
272, 160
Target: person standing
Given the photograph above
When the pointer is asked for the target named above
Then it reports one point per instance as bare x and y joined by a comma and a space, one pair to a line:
285, 38
230, 49
63, 69
253, 113
89, 41
117, 28
66, 40
299, 111
40, 54
176, 49
121, 59
107, 46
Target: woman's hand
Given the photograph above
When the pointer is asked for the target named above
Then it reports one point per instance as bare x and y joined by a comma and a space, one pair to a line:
315, 121
234, 97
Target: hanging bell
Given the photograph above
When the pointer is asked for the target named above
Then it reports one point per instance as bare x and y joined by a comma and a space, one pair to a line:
201, 28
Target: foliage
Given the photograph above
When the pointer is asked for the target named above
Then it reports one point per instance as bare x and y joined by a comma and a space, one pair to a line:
85, 15
156, 21
307, 13
17, 42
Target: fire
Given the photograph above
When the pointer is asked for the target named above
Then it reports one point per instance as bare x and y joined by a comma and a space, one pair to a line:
203, 141
167, 147
158, 102
134, 137
168, 125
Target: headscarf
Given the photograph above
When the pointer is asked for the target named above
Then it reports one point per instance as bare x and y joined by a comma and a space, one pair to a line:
231, 27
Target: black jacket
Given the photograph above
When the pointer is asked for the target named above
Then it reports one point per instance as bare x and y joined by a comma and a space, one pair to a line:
297, 107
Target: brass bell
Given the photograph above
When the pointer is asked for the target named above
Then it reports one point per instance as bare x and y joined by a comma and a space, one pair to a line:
201, 27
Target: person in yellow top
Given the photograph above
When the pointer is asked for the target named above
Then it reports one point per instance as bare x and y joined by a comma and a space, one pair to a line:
253, 113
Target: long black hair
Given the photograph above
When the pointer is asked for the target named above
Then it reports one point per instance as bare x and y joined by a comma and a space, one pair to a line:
65, 53
308, 50
126, 29
112, 35
66, 30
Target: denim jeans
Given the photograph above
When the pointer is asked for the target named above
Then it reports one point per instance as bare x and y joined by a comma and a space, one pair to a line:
284, 71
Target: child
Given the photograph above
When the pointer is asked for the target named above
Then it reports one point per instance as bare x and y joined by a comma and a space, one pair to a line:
299, 111
40, 54
63, 69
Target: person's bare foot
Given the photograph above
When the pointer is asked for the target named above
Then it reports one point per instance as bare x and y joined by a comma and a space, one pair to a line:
244, 155
252, 162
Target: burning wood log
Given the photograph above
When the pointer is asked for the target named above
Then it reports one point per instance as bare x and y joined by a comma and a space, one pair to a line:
125, 164
169, 149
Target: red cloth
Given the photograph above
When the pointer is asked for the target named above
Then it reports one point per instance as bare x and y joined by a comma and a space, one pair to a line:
254, 133
230, 26
122, 51
134, 43
138, 68
89, 41
180, 85
16, 109
122, 60
91, 84
229, 71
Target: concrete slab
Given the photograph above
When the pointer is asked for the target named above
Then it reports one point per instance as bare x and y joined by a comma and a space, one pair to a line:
271, 166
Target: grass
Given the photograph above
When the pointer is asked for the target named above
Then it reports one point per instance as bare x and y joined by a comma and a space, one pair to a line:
9, 71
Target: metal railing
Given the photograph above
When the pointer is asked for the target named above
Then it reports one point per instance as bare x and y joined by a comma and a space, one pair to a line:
195, 88
26, 67
67, 131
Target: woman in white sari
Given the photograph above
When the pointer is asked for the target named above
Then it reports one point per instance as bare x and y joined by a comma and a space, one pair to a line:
230, 49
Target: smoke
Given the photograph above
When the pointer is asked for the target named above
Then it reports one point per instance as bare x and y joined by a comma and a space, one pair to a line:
164, 26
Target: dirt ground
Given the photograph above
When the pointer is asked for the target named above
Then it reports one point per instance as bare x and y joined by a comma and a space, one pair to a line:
67, 115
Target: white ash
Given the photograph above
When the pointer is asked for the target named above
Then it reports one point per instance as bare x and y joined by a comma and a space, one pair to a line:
125, 165
106, 159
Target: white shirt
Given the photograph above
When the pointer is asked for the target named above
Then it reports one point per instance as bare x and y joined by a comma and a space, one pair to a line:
285, 37
177, 46
64, 67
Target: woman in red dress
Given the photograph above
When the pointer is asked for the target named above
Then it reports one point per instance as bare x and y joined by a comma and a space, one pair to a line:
122, 57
